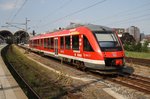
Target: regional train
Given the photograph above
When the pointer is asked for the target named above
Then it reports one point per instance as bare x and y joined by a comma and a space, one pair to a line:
87, 46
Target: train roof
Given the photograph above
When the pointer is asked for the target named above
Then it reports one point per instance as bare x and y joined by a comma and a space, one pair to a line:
91, 27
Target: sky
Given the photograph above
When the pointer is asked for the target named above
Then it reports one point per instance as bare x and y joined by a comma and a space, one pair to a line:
47, 15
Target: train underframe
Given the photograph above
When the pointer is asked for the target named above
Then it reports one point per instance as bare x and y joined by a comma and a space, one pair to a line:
109, 67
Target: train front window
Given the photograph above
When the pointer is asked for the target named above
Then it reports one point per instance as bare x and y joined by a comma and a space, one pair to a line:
108, 41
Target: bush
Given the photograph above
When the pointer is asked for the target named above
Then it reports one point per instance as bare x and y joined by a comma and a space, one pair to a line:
144, 47
136, 47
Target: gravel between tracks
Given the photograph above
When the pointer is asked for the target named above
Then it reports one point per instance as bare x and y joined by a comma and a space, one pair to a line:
88, 86
140, 70
139, 61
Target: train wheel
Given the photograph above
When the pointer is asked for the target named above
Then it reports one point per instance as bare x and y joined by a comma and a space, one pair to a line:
77, 64
82, 66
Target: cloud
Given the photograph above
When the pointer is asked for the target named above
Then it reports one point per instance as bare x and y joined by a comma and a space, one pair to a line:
10, 4
7, 5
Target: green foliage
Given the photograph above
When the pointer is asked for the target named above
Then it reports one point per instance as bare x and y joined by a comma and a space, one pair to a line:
33, 74
136, 47
143, 55
144, 47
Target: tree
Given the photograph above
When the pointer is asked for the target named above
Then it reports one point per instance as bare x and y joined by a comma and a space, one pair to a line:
127, 38
144, 47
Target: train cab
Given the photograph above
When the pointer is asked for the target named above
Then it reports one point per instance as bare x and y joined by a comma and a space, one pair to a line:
109, 48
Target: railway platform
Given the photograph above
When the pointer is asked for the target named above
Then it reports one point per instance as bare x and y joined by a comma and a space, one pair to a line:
9, 88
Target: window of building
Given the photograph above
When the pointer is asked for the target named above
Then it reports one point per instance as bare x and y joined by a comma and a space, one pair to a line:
86, 44
67, 42
62, 42
75, 42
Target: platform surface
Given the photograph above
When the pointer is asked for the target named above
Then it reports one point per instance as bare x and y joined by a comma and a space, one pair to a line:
9, 88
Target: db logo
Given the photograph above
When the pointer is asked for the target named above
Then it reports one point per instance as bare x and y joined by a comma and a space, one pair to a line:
114, 54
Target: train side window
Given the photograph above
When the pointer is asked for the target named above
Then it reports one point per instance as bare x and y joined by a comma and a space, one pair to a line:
38, 42
62, 42
34, 43
48, 43
86, 45
75, 42
31, 43
52, 43
45, 43
67, 42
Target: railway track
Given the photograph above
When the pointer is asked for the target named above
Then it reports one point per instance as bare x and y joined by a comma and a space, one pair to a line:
139, 61
133, 81
137, 82
129, 80
29, 91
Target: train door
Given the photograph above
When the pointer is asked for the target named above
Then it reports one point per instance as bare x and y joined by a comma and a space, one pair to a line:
56, 46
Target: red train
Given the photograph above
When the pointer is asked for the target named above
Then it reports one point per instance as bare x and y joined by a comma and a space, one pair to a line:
86, 46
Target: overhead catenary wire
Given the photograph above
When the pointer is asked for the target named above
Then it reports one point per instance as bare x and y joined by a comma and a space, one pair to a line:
15, 4
132, 18
135, 20
126, 12
75, 12
19, 10
59, 8
54, 12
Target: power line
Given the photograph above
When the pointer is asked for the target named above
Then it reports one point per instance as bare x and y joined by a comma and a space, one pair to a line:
136, 17
59, 8
15, 4
54, 11
123, 12
19, 10
135, 21
75, 12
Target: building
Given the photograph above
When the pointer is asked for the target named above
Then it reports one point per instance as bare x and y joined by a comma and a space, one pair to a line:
147, 37
135, 32
142, 36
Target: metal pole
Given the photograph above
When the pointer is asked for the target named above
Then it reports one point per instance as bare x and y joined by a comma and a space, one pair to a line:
26, 24
26, 29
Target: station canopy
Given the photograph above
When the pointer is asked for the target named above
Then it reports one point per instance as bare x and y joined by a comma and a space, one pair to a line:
6, 36
21, 37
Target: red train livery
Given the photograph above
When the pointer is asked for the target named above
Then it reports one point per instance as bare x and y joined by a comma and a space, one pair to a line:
86, 46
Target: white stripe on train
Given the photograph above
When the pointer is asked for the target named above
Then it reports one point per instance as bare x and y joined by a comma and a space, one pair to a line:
97, 62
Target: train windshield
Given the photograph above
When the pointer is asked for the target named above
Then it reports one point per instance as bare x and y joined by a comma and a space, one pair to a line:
108, 41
